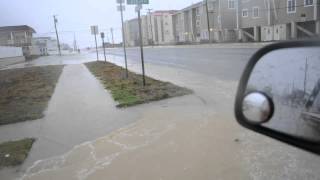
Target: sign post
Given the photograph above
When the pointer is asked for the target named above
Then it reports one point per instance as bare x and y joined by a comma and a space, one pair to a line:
138, 10
122, 8
103, 45
95, 31
138, 4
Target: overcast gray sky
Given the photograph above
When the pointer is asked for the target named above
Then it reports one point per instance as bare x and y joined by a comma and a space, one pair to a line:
75, 15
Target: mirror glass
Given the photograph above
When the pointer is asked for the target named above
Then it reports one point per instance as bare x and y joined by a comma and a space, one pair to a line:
256, 108
291, 78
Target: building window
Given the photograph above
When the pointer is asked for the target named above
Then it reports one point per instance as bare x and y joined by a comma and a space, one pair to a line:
291, 6
308, 2
210, 6
231, 4
245, 13
255, 12
198, 12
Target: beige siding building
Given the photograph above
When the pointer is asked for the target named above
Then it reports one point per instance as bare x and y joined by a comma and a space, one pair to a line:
161, 27
157, 28
18, 36
132, 32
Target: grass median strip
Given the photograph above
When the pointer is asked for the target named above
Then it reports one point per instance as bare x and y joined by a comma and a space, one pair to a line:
25, 92
14, 153
129, 92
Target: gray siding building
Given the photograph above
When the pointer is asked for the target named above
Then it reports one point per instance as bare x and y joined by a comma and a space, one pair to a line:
225, 21
230, 21
191, 23
269, 20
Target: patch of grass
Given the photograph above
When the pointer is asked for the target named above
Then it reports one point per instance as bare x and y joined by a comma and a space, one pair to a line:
14, 153
129, 92
25, 92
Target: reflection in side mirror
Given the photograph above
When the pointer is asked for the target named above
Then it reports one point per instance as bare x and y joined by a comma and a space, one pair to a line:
257, 108
291, 78
279, 94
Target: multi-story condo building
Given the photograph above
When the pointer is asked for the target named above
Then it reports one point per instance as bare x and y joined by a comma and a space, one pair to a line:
268, 20
132, 32
161, 27
192, 24
225, 20
231, 21
187, 23
157, 28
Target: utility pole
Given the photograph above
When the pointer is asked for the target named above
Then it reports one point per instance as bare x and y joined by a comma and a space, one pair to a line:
208, 21
103, 45
138, 9
111, 30
55, 26
95, 38
75, 46
151, 28
121, 8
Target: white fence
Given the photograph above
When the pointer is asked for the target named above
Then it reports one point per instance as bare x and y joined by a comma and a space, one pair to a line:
8, 52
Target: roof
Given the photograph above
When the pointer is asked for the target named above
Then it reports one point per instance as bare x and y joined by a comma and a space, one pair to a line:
48, 38
192, 6
164, 12
17, 28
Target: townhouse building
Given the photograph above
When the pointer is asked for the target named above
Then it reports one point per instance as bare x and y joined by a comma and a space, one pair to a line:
230, 21
145, 29
299, 18
161, 29
188, 24
225, 20
132, 32
192, 23
157, 28
270, 20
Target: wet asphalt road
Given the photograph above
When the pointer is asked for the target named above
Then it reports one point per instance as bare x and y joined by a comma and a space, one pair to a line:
223, 63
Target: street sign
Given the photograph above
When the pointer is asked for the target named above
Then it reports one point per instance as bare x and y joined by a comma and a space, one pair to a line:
94, 30
135, 2
120, 1
138, 7
123, 8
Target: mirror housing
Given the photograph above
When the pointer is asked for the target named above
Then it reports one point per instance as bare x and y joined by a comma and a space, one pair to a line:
256, 124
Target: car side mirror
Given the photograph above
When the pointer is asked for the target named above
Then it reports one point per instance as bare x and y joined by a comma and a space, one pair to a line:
279, 94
